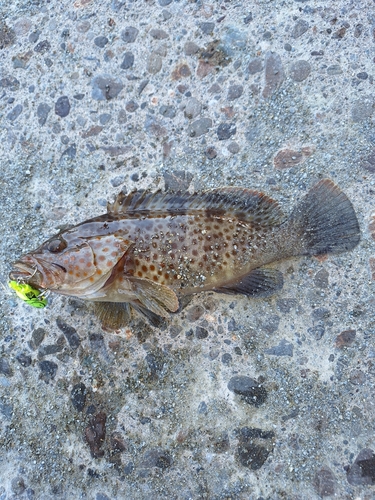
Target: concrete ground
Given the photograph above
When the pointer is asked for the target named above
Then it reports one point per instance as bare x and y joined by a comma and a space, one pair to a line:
234, 398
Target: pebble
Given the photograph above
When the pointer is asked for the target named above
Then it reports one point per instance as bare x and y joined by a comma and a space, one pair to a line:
181, 71
286, 305
193, 108
321, 279
362, 109
362, 76
254, 447
194, 313
154, 63
105, 87
274, 74
226, 358
95, 434
62, 106
84, 26
42, 47
48, 370
234, 92
191, 48
177, 180
156, 457
34, 36
284, 348
101, 41
158, 34
5, 368
24, 359
345, 338
15, 113
316, 332
202, 408
10, 82
248, 18
42, 112
164, 3
105, 118
211, 153
37, 338
299, 28
167, 111
226, 131
199, 127
7, 36
18, 485
207, 28
201, 333
324, 482
128, 60
251, 391
255, 66
129, 34
78, 396
117, 181
362, 472
69, 332
300, 70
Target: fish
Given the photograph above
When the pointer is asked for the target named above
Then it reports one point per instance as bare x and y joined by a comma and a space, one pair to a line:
152, 250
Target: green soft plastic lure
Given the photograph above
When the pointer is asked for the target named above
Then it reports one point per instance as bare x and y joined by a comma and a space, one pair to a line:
28, 294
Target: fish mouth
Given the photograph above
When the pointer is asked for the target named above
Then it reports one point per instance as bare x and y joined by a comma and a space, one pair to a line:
34, 272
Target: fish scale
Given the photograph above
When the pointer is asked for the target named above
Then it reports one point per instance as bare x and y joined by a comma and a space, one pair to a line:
150, 249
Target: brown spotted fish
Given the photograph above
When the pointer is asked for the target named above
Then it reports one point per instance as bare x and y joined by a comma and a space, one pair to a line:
151, 249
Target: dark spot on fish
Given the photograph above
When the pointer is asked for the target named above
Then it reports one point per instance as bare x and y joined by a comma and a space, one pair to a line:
144, 269
155, 278
140, 274
152, 267
166, 276
174, 246
137, 262
195, 252
155, 256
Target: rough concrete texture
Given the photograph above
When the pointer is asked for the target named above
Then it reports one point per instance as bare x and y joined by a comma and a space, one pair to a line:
234, 397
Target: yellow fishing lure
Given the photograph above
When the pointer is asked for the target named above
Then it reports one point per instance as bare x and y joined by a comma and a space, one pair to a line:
28, 294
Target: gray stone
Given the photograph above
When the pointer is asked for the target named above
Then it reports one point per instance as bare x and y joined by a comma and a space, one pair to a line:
234, 92
128, 60
191, 48
163, 3
226, 131
300, 70
69, 332
42, 47
24, 359
233, 40
37, 338
167, 111
233, 148
154, 63
156, 457
284, 348
207, 27
251, 391
70, 152
335, 69
362, 472
131, 106
34, 36
199, 127
166, 14
193, 108
7, 36
101, 41
321, 278
201, 333
299, 28
10, 82
274, 74
117, 181
62, 106
122, 118
255, 66
5, 368
179, 180
48, 370
15, 113
84, 26
226, 358
18, 485
362, 109
105, 87
325, 482
78, 396
129, 34
104, 118
158, 34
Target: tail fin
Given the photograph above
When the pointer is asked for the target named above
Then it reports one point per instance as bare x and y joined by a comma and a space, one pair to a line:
325, 221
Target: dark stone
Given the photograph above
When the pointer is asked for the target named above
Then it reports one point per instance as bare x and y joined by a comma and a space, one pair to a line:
202, 408
284, 348
131, 106
102, 496
191, 48
62, 106
287, 47
357, 377
155, 363
145, 420
194, 313
199, 127
5, 368
320, 314
6, 410
101, 41
129, 467
15, 113
70, 152
300, 70
248, 18
362, 109
177, 180
37, 338
317, 53
129, 34
271, 324
358, 30
167, 111
95, 434
118, 443
104, 118
105, 87
254, 447
18, 485
201, 333
42, 47
48, 62
221, 443
79, 97
34, 36
226, 358
164, 3
7, 36
286, 305
157, 458
193, 108
226, 131
335, 69
48, 370
234, 92
274, 74
316, 331
299, 28
158, 34
362, 76
255, 66
78, 396
211, 153
251, 391
24, 359
207, 28
321, 278
128, 60
324, 482
362, 472
154, 127
346, 338
46, 350
142, 86
10, 82
69, 332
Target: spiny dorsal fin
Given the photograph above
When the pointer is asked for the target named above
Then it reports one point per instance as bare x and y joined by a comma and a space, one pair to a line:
244, 204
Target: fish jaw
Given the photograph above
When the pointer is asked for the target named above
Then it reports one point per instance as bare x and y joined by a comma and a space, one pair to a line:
36, 272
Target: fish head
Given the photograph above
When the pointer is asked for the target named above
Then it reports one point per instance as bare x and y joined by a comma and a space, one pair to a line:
71, 265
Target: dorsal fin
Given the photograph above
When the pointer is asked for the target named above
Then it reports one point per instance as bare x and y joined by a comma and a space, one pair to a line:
244, 204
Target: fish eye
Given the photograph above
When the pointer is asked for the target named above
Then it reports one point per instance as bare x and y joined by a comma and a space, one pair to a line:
56, 246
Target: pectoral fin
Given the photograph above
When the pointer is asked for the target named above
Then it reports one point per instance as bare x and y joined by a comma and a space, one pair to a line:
113, 315
155, 297
260, 283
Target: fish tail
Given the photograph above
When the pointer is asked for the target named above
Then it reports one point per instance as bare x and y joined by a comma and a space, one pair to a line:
324, 221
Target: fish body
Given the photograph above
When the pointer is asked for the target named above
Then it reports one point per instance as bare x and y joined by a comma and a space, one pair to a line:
150, 249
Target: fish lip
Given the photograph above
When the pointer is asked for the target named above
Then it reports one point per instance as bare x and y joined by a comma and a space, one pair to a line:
23, 269
34, 271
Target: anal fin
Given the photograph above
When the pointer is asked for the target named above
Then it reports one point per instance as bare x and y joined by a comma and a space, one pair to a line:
113, 315
260, 282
